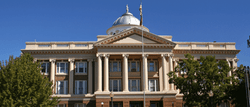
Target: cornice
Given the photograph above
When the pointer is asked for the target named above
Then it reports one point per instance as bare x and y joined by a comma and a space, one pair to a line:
34, 52
206, 51
131, 31
135, 46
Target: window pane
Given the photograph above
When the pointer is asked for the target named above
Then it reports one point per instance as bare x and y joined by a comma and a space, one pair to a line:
120, 85
66, 68
134, 85
115, 66
133, 66
80, 67
151, 66
115, 85
43, 67
48, 67
62, 67
61, 91
138, 66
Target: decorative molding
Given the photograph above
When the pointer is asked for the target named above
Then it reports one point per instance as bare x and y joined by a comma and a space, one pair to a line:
125, 55
206, 51
106, 55
236, 60
35, 52
164, 55
145, 55
71, 60
134, 31
90, 60
99, 55
153, 46
52, 60
35, 59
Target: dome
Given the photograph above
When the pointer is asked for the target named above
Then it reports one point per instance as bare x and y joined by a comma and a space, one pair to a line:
127, 19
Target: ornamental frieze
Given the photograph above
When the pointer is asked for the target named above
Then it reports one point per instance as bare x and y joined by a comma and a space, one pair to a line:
206, 51
62, 52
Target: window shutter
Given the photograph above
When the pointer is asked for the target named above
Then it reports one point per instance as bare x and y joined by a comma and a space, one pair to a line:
65, 87
57, 68
67, 68
57, 88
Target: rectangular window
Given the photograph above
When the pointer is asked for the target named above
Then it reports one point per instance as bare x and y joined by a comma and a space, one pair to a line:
80, 105
134, 85
60, 105
62, 45
45, 67
62, 67
116, 104
81, 87
47, 45
81, 67
115, 66
134, 66
183, 45
61, 87
115, 85
201, 45
81, 45
152, 66
152, 85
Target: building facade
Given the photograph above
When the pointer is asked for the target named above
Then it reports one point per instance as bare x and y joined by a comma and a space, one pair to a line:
84, 74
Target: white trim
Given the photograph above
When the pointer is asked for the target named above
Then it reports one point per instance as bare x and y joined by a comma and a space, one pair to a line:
137, 84
155, 84
84, 67
58, 68
84, 88
47, 70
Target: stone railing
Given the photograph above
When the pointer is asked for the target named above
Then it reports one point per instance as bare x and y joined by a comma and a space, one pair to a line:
205, 45
58, 45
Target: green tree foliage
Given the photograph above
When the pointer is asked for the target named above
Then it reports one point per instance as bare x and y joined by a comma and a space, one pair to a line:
205, 82
22, 85
237, 91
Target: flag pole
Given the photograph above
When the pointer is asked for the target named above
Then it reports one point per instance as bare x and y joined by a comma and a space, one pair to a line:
141, 24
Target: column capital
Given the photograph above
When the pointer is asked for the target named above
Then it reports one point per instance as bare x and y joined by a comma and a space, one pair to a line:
145, 55
164, 55
99, 55
35, 59
71, 59
176, 59
52, 60
236, 60
106, 55
90, 60
171, 55
125, 55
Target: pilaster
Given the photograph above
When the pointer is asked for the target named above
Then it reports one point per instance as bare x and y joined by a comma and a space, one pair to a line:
145, 76
164, 69
106, 72
52, 73
125, 72
71, 76
99, 79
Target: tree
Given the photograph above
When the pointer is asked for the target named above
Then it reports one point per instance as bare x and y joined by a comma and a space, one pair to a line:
237, 91
22, 84
205, 82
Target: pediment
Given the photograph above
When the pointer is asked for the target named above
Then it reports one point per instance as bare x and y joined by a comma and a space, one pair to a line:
134, 36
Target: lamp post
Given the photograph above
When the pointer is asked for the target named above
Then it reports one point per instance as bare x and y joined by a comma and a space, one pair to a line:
246, 69
102, 104
111, 96
211, 94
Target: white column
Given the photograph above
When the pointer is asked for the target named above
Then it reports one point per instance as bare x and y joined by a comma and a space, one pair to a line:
90, 85
99, 79
106, 72
96, 75
164, 69
52, 73
71, 76
229, 64
160, 75
175, 65
170, 56
125, 72
145, 76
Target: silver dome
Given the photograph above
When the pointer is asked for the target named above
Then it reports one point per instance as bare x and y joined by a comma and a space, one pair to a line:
127, 19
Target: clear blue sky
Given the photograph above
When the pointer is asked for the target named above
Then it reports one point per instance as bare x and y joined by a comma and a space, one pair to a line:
83, 20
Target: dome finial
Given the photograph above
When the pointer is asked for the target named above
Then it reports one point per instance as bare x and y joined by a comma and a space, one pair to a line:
127, 8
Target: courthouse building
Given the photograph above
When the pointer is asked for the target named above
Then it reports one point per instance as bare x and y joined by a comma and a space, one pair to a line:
84, 74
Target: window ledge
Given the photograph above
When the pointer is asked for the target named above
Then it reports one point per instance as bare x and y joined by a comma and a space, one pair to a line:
80, 73
61, 73
44, 73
